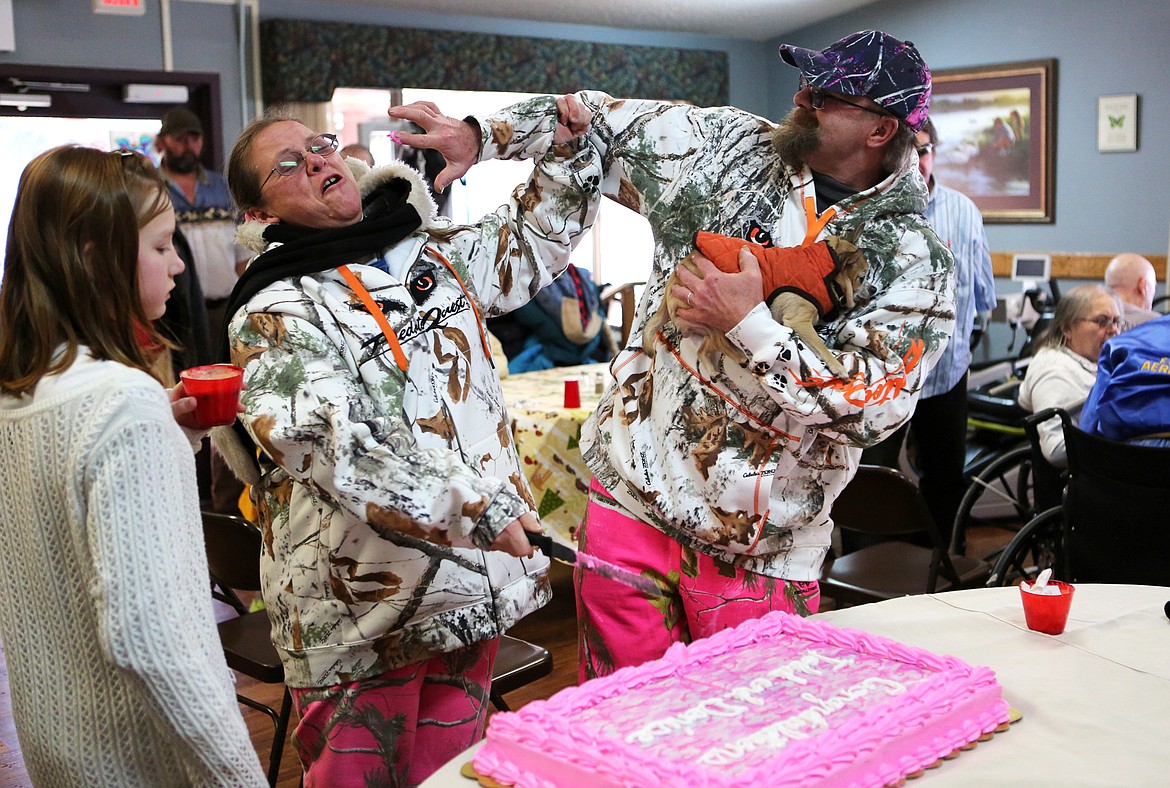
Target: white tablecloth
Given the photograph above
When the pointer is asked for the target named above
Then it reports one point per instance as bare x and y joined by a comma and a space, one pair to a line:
1095, 700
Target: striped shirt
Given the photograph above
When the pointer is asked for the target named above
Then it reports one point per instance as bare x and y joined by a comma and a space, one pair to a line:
959, 224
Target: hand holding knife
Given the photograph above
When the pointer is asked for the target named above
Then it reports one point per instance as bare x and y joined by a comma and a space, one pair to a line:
566, 555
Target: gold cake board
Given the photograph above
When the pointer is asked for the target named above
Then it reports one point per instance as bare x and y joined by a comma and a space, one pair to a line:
1014, 716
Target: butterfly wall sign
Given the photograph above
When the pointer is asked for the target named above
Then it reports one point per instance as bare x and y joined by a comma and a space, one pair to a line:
1117, 122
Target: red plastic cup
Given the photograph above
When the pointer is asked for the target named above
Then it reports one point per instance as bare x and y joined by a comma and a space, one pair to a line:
1048, 614
572, 393
216, 389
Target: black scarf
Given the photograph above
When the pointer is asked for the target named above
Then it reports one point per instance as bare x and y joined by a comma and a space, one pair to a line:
387, 218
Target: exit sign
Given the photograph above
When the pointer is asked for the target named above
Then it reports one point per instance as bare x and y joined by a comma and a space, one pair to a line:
127, 7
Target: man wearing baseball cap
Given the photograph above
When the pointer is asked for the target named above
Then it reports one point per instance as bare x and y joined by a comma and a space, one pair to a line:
206, 216
718, 480
869, 64
203, 207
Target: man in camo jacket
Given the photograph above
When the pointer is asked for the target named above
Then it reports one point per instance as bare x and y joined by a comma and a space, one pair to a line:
719, 482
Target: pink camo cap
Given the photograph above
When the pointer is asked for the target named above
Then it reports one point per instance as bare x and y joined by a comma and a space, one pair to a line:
870, 63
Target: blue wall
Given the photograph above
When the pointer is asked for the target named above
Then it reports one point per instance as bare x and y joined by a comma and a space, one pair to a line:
1105, 202
68, 33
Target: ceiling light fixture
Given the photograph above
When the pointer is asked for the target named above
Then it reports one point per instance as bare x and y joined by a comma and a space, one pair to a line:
23, 85
134, 93
23, 101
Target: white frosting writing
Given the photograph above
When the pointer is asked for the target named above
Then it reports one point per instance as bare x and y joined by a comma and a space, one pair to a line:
687, 720
798, 726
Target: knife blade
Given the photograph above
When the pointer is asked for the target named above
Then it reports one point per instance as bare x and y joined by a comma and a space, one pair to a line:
567, 555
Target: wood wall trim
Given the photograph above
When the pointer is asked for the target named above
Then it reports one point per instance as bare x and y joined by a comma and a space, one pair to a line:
1074, 266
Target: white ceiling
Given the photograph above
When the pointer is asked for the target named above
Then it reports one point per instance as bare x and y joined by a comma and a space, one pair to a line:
754, 20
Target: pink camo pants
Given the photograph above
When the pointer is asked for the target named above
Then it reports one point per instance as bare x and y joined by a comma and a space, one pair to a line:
396, 729
618, 626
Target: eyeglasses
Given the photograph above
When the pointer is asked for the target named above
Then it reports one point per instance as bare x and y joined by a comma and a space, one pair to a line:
817, 97
1103, 321
293, 161
925, 149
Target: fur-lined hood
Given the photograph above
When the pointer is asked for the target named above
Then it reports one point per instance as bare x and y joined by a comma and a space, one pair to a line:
240, 457
250, 234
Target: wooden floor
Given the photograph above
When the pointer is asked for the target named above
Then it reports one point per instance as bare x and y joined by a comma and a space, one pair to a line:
553, 627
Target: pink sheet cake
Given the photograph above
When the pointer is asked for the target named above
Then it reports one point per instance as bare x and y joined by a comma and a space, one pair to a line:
779, 701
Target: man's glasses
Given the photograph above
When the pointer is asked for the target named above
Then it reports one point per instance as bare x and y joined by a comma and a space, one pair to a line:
818, 96
293, 161
925, 149
1104, 321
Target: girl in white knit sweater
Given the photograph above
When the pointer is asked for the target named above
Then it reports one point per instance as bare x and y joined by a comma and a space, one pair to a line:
116, 672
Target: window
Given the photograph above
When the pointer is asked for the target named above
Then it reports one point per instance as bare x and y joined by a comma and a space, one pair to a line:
619, 249
25, 138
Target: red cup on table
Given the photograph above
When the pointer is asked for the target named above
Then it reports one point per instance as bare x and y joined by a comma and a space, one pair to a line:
572, 393
216, 389
1048, 613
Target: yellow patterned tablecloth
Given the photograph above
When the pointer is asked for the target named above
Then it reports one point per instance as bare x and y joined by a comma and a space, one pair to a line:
548, 437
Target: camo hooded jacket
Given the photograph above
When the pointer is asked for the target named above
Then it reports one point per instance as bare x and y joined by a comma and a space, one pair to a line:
383, 488
743, 462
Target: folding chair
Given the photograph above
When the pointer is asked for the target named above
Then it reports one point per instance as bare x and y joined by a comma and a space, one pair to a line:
233, 556
518, 663
624, 294
881, 502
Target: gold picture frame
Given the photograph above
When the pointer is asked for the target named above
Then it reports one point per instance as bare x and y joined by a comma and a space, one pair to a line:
997, 138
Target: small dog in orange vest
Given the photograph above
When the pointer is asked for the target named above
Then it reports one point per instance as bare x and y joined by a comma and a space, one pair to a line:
802, 286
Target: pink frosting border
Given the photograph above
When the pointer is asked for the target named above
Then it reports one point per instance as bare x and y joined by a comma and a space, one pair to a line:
934, 718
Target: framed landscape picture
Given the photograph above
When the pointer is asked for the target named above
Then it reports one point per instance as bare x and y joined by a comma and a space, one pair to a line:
997, 138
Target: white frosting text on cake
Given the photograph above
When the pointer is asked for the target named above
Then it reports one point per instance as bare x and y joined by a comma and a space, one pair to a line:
798, 726
777, 735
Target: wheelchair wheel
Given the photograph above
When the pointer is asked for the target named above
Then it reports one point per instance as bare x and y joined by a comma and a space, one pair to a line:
1002, 492
1038, 546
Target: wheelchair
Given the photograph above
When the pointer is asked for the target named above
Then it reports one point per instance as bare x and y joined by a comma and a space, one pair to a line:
1001, 466
1113, 522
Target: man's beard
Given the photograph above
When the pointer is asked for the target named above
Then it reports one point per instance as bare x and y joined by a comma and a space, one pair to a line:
797, 136
184, 164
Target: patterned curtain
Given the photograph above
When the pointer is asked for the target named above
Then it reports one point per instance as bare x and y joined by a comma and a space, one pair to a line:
314, 114
304, 61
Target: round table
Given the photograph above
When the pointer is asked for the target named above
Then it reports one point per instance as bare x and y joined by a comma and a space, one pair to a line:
548, 436
1095, 700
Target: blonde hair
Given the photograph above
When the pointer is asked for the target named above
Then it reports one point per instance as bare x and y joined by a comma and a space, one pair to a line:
71, 266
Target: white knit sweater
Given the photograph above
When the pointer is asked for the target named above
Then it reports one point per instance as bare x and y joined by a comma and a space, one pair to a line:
116, 670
